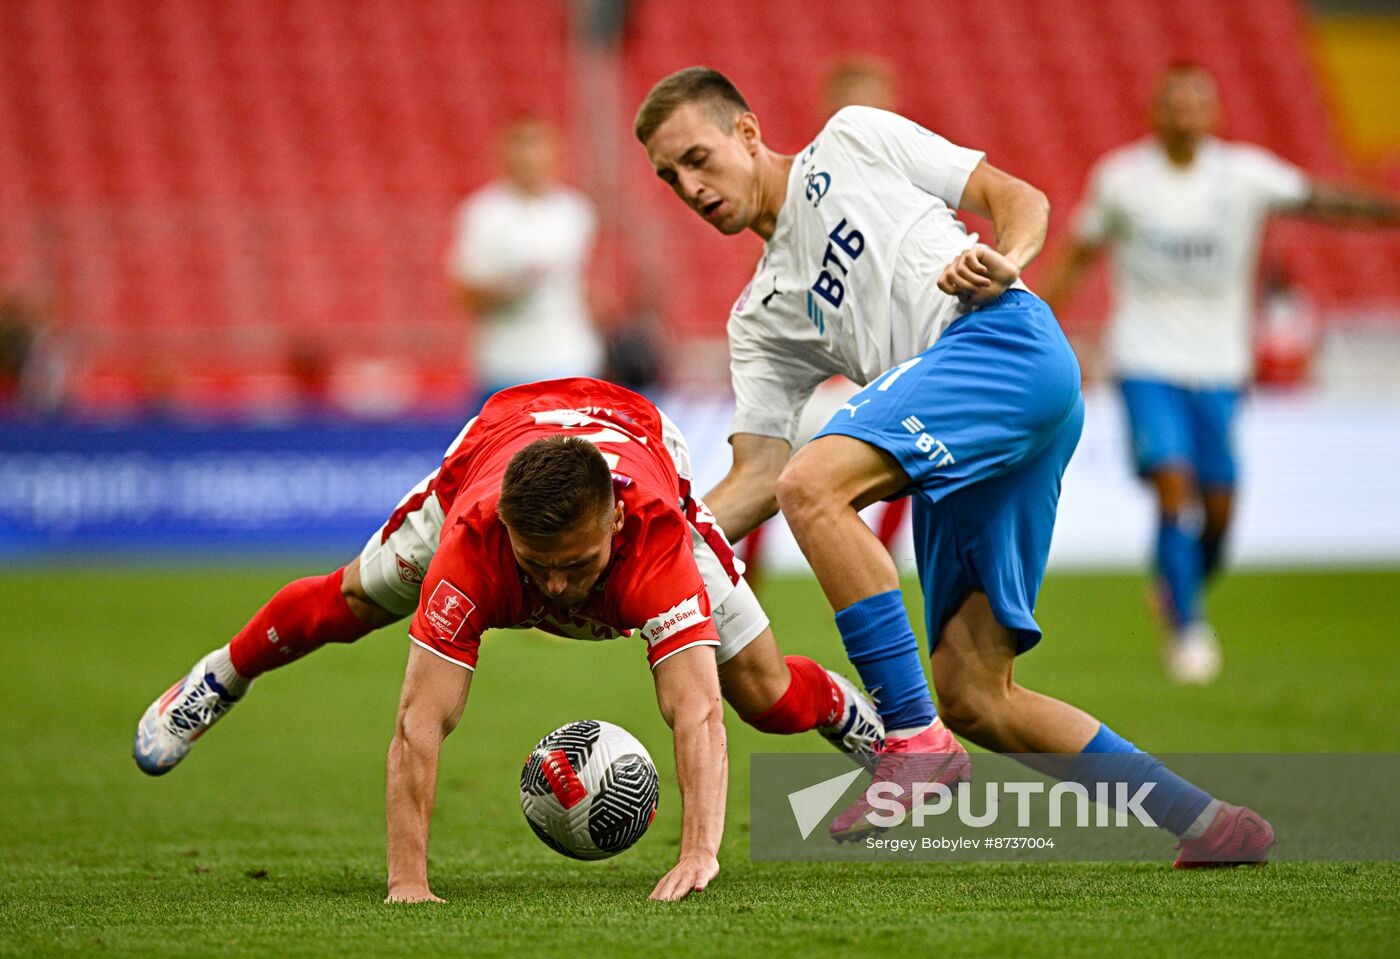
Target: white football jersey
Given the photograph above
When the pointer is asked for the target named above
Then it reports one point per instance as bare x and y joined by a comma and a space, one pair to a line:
1184, 244
503, 236
847, 282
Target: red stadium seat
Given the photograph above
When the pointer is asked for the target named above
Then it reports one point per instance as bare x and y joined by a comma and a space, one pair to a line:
247, 171
1045, 86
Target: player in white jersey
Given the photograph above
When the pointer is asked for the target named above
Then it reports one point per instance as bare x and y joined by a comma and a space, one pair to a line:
851, 81
972, 405
1182, 213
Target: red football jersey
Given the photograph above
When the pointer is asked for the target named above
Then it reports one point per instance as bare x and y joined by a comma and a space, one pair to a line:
651, 584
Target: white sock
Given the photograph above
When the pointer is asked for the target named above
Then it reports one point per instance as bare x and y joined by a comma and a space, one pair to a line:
221, 665
908, 732
1198, 828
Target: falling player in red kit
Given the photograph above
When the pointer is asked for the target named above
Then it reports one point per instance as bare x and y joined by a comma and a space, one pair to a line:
565, 506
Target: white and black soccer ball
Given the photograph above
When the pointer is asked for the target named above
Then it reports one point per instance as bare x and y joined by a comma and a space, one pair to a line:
589, 790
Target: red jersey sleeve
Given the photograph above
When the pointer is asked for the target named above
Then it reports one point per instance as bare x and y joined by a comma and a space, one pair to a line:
459, 602
666, 594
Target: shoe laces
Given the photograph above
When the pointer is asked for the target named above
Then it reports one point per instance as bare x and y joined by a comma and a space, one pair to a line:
198, 709
893, 755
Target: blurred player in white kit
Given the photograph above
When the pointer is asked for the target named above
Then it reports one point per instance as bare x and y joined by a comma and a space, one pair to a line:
519, 259
1181, 213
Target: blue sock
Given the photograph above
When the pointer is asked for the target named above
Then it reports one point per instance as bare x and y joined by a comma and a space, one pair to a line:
1212, 550
1179, 561
1174, 804
884, 650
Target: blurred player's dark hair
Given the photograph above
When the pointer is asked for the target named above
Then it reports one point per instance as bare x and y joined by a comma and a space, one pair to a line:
1181, 70
691, 85
859, 80
1185, 65
552, 485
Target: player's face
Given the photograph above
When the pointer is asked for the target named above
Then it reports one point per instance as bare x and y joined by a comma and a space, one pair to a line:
712, 169
566, 568
1187, 107
530, 155
866, 89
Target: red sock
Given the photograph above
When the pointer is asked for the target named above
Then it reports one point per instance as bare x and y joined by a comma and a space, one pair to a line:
301, 617
811, 700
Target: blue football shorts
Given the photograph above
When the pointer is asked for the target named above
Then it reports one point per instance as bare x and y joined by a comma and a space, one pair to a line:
983, 423
1175, 426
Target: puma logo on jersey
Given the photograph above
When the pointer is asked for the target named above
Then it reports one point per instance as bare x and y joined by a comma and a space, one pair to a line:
852, 409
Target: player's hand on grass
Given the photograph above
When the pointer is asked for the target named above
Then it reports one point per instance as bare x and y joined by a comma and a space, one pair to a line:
692, 874
412, 894
978, 275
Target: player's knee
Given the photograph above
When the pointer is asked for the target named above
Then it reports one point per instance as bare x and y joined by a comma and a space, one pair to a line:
366, 610
1176, 491
801, 493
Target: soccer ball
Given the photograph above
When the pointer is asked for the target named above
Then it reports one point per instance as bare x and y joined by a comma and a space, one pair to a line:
588, 790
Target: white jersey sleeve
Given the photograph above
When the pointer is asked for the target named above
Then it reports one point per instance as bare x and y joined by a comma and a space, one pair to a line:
1093, 221
469, 255
1277, 183
932, 163
771, 387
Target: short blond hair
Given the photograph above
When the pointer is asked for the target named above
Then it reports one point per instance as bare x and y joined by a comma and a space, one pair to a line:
691, 85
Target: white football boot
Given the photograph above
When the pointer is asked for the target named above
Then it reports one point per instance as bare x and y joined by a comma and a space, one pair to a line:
1193, 655
172, 723
858, 731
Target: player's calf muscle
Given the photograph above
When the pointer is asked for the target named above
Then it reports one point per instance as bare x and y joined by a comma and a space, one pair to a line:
755, 678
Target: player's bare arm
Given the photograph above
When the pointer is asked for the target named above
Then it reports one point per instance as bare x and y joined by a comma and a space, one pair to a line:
481, 297
1329, 201
434, 693
1020, 214
687, 690
744, 499
1067, 273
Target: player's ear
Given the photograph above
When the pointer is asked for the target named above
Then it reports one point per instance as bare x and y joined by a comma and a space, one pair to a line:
750, 135
619, 515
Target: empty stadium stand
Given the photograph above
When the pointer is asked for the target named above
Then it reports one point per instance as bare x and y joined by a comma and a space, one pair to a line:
220, 195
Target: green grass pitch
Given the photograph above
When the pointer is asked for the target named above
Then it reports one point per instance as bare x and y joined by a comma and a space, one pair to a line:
269, 840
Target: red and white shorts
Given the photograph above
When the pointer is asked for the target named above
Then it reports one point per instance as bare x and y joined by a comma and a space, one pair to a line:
395, 560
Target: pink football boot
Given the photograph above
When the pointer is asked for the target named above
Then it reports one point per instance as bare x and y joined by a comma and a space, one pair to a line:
930, 756
1237, 837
